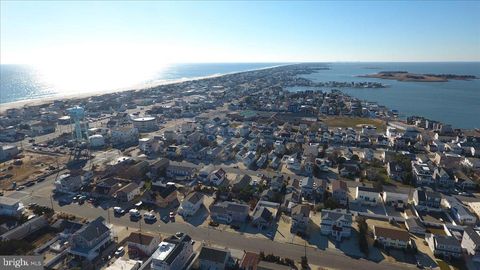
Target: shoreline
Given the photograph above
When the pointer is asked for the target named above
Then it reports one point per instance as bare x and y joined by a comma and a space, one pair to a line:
140, 87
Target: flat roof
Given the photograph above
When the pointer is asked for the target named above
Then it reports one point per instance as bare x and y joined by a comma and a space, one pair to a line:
163, 250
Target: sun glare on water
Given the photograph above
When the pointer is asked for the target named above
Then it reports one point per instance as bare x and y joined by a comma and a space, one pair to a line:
94, 69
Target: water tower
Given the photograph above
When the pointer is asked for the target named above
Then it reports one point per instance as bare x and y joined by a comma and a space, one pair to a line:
79, 134
77, 115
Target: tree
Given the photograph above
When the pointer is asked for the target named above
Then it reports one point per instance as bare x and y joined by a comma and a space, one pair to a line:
362, 235
331, 203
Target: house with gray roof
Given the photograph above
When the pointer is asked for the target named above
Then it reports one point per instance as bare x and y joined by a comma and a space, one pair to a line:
300, 218
471, 243
191, 204
229, 212
10, 206
89, 241
262, 217
213, 258
444, 245
336, 223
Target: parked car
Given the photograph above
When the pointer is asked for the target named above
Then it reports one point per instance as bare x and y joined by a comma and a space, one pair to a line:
120, 251
41, 179
134, 214
118, 211
150, 217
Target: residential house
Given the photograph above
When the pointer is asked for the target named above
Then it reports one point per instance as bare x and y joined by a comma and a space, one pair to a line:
191, 204
426, 200
124, 264
142, 244
340, 192
444, 246
26, 229
471, 243
262, 217
397, 200
7, 152
422, 173
306, 186
241, 182
211, 258
10, 207
336, 223
442, 178
264, 265
414, 225
159, 167
367, 195
124, 134
161, 195
459, 213
229, 212
217, 177
109, 186
463, 181
173, 253
277, 182
181, 171
349, 169
249, 261
395, 171
68, 183
389, 237
89, 241
300, 218
128, 192
290, 200
249, 158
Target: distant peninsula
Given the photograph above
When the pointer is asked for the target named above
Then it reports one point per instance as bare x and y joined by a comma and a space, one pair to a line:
405, 76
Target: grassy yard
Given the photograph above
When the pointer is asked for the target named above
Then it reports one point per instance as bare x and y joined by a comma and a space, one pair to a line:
344, 122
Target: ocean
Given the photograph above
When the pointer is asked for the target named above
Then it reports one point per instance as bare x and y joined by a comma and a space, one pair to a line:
455, 102
20, 82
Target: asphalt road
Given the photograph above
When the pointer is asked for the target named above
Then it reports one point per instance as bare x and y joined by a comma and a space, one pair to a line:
327, 258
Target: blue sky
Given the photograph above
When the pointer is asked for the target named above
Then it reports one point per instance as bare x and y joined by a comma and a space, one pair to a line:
221, 31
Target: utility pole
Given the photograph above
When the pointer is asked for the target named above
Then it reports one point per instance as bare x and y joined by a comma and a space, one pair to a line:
51, 201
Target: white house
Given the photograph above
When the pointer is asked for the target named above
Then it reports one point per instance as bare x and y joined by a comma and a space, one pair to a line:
142, 244
249, 158
190, 204
444, 245
10, 206
217, 177
367, 195
68, 183
128, 192
337, 223
389, 237
173, 253
124, 134
395, 199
